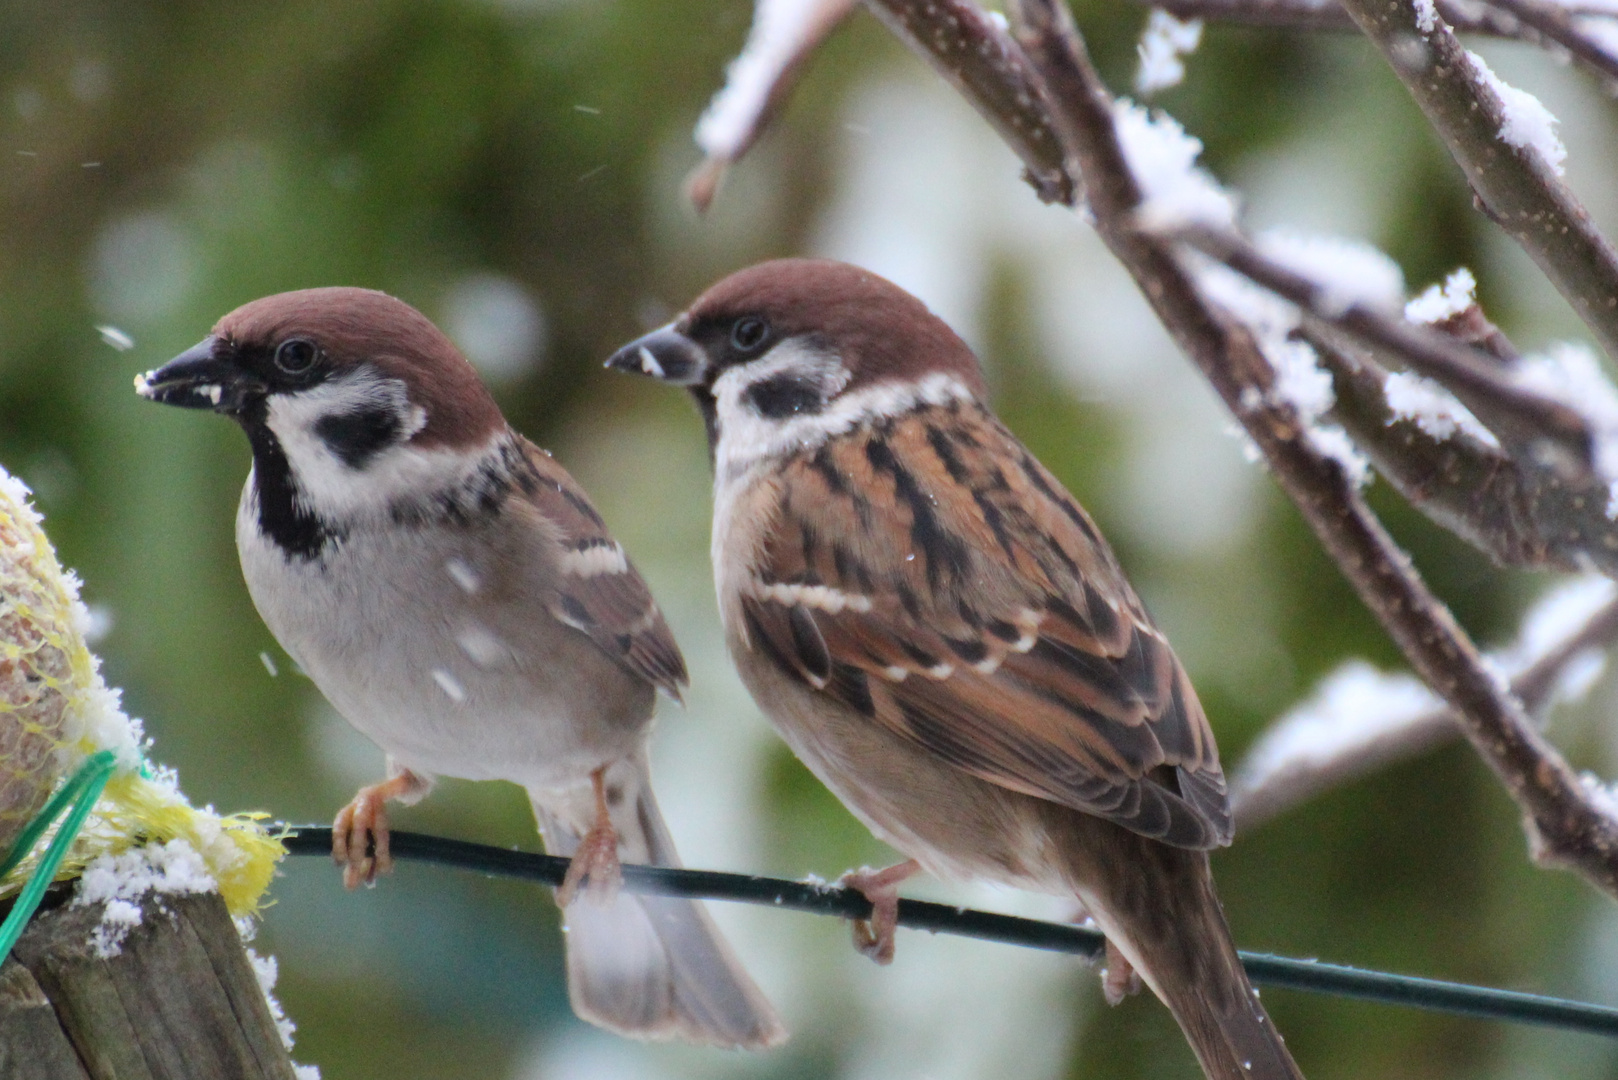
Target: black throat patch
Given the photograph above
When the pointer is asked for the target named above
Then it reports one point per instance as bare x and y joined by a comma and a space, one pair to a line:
281, 515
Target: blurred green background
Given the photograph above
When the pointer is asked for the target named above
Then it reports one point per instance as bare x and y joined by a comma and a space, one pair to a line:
512, 167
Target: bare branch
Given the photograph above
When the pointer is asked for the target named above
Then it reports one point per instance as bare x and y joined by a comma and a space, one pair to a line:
1514, 185
975, 55
1533, 427
1555, 23
1292, 763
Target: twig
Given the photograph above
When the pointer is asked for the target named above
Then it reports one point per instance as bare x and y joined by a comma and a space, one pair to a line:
783, 34
1517, 510
1564, 827
1516, 187
1476, 18
976, 56
1256, 797
1555, 23
1081, 941
1526, 422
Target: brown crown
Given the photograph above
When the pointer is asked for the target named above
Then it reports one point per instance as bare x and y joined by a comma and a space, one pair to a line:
881, 332
360, 326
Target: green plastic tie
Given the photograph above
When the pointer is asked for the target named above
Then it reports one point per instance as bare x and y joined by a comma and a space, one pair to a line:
82, 790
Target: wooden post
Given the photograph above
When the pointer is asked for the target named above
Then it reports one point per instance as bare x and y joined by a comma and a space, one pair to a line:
179, 1002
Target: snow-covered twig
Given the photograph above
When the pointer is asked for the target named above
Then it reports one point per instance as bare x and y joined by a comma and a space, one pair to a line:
783, 34
1499, 138
1531, 426
1564, 825
1471, 18
1517, 510
1360, 720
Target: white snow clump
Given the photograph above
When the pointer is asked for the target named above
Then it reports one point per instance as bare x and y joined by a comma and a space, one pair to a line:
121, 881
1438, 303
1162, 45
1174, 189
1527, 124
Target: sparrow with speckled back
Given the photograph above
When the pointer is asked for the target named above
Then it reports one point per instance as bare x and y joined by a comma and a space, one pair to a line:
457, 598
941, 634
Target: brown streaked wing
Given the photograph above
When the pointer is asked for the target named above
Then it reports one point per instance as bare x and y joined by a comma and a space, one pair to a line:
929, 573
613, 607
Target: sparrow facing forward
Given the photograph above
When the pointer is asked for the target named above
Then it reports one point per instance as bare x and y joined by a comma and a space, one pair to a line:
457, 598
941, 634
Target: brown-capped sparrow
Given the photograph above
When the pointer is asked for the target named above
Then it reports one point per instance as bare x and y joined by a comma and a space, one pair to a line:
456, 597
939, 631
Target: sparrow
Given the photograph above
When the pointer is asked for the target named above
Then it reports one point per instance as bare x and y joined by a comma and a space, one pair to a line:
942, 635
457, 598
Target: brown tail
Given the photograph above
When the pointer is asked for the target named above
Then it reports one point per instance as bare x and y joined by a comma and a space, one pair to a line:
1167, 920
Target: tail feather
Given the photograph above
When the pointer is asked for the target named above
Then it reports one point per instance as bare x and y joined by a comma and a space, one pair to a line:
1167, 921
650, 967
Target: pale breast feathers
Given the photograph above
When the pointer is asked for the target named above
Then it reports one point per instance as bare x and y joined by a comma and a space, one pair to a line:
931, 575
597, 589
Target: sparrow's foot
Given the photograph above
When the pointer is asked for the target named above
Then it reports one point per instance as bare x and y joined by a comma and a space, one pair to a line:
874, 937
1119, 979
596, 858
359, 836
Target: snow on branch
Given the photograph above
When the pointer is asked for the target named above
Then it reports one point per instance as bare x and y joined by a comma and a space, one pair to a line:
1521, 191
1359, 719
783, 34
1528, 423
1584, 31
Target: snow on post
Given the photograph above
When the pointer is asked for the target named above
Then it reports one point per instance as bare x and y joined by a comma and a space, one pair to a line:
144, 849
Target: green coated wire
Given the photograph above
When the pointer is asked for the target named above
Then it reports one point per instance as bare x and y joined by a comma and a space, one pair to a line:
82, 790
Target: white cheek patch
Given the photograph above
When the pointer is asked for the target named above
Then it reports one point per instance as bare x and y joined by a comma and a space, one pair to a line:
746, 437
338, 490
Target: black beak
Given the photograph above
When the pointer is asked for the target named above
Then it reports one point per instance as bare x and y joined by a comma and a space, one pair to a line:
199, 379
664, 354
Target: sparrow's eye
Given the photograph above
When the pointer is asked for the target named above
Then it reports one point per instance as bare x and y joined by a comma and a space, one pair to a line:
749, 333
296, 356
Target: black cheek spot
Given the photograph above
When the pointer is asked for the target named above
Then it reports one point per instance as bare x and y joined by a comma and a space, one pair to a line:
784, 396
357, 437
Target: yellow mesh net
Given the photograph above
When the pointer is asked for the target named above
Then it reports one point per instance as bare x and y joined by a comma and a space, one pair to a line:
55, 709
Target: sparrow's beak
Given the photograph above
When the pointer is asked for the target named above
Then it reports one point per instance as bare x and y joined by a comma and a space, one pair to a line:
199, 379
664, 354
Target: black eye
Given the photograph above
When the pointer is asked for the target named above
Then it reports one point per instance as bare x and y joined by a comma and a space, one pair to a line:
749, 333
296, 356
